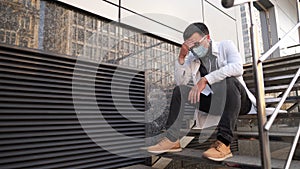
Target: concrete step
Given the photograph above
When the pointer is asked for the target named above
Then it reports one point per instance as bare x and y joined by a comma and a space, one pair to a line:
240, 161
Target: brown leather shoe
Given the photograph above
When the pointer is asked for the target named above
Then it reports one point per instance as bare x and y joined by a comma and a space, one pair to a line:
165, 145
218, 152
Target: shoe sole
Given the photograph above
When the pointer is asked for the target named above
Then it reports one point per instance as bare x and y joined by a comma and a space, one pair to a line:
166, 151
220, 159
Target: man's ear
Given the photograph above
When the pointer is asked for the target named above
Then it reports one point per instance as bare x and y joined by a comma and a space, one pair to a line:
208, 36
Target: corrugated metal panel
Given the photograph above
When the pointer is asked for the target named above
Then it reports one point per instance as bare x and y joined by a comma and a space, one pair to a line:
39, 127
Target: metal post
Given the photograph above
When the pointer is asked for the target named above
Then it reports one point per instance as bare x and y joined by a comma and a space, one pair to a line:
298, 11
293, 148
260, 94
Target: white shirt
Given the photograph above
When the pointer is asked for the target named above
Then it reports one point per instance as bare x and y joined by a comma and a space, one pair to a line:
229, 61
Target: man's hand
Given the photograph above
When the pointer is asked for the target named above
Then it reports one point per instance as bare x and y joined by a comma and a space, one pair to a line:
194, 95
185, 49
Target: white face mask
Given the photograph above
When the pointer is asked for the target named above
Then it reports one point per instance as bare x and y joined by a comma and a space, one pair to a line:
200, 51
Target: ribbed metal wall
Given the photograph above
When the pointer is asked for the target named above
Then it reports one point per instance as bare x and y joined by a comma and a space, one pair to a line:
39, 127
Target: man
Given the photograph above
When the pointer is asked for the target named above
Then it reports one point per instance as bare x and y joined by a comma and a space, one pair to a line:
208, 64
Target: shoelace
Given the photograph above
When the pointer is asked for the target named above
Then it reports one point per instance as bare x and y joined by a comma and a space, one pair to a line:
217, 145
214, 145
162, 141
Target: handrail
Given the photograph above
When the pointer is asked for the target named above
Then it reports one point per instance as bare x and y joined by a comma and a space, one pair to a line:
282, 100
293, 148
268, 124
264, 125
260, 94
274, 47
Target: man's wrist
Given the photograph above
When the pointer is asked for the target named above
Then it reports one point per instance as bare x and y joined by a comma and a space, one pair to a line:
181, 60
182, 54
204, 80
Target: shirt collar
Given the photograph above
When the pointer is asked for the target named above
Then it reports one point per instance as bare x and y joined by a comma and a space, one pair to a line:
215, 49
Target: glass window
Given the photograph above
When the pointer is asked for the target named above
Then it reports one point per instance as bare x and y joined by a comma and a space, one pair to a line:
90, 23
80, 32
2, 36
89, 37
13, 38
74, 32
105, 41
80, 19
112, 29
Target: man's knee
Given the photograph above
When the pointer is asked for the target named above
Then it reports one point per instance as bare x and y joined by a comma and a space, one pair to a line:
231, 81
232, 85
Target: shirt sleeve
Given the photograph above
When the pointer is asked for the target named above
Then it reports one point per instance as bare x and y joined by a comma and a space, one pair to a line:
183, 72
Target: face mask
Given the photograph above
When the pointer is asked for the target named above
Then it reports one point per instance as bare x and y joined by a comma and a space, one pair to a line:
200, 51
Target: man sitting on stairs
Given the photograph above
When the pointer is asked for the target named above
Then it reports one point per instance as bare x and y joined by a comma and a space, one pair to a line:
209, 64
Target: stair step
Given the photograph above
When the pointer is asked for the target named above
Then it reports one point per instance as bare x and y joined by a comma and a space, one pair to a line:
288, 132
279, 116
290, 99
272, 81
271, 134
275, 88
283, 136
275, 72
276, 62
138, 166
236, 160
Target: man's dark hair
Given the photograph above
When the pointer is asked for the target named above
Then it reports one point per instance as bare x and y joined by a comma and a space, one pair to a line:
198, 27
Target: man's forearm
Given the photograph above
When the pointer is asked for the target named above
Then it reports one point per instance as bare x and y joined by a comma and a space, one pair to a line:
181, 60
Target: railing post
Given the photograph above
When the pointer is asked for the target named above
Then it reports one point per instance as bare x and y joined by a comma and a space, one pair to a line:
260, 94
293, 149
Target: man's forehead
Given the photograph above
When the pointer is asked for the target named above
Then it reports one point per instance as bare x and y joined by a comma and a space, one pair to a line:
195, 35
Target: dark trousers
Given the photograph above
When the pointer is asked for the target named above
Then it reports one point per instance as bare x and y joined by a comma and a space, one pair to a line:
228, 100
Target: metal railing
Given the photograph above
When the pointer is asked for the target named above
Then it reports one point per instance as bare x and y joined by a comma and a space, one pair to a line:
264, 125
260, 93
274, 47
293, 148
282, 100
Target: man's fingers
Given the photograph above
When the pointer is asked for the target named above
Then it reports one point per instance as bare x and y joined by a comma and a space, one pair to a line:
190, 45
190, 95
198, 95
190, 42
194, 95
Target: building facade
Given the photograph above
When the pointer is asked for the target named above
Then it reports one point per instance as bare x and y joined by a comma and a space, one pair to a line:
20, 23
144, 35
